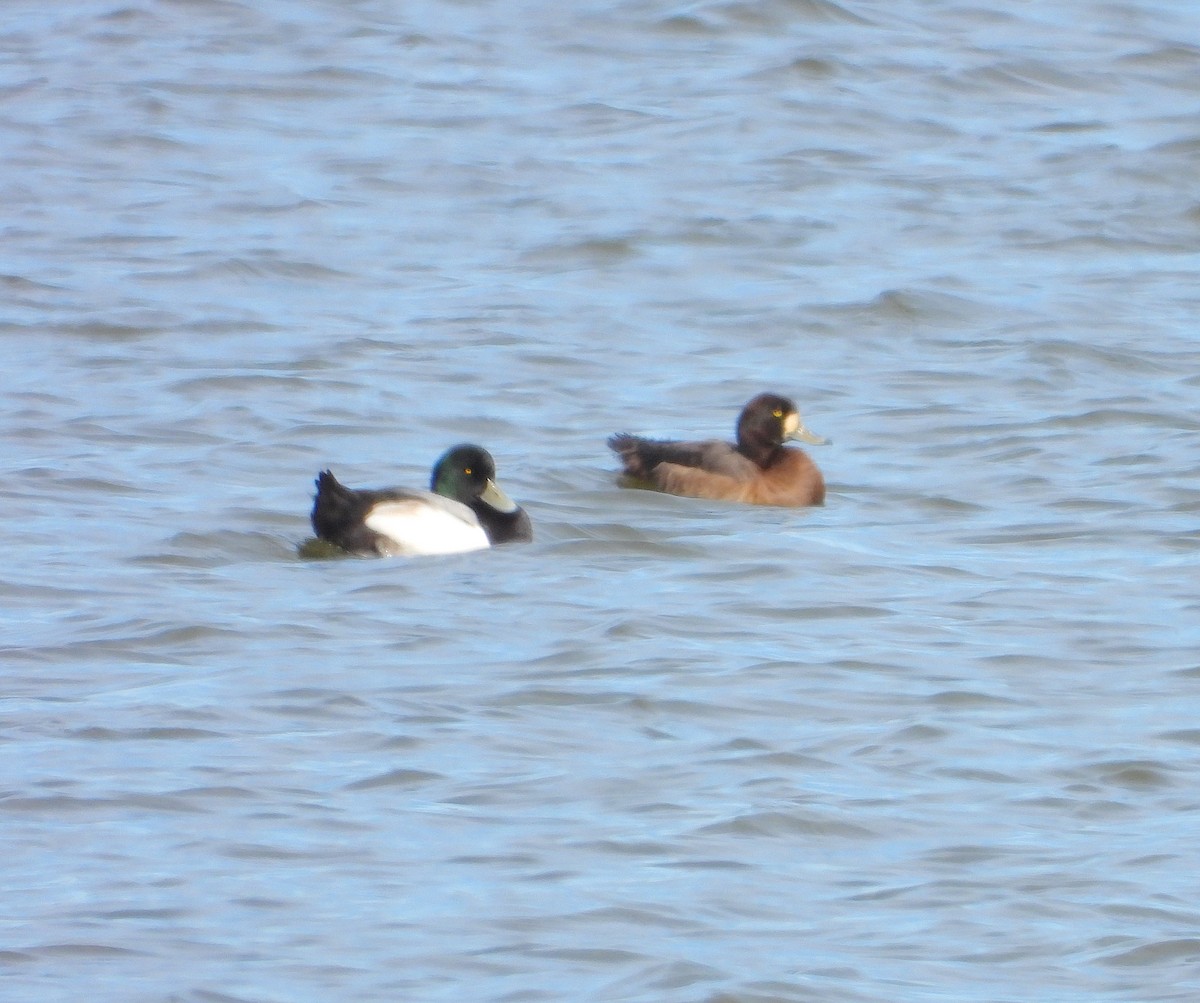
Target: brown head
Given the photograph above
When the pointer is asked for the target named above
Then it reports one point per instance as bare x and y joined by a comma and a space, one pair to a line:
765, 424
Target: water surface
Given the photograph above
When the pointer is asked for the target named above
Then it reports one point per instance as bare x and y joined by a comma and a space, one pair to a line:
934, 741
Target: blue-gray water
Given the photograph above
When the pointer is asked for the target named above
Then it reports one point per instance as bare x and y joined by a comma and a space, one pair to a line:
938, 740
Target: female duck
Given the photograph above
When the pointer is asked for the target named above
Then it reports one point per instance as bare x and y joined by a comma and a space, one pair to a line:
463, 510
758, 470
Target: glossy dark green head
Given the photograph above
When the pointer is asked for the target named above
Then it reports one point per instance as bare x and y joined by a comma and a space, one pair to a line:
467, 474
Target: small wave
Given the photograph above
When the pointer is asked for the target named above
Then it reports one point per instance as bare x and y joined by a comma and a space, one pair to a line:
594, 252
1184, 949
247, 269
906, 305
404, 778
735, 14
788, 824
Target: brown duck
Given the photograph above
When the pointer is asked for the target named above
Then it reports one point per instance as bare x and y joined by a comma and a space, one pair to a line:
758, 470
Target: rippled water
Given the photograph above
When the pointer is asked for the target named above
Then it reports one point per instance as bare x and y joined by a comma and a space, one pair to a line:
937, 740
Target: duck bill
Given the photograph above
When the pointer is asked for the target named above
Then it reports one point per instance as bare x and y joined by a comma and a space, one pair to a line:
793, 428
496, 499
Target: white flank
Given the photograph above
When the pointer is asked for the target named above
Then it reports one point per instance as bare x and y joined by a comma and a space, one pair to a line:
432, 525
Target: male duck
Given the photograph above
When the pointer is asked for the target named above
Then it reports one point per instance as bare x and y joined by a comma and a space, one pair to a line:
463, 510
758, 470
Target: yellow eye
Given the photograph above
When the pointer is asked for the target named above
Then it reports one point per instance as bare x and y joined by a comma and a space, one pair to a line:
466, 470
777, 413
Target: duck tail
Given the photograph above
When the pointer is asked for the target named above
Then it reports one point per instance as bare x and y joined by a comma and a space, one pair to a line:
332, 505
627, 447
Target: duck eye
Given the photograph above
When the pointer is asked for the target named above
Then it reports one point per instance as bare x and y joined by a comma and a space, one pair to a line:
466, 470
777, 413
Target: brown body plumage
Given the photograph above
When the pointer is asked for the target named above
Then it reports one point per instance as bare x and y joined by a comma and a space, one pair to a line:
758, 470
